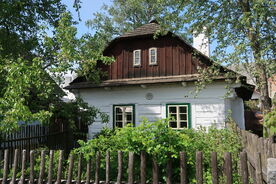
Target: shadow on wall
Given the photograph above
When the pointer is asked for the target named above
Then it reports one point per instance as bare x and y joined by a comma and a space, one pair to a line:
253, 122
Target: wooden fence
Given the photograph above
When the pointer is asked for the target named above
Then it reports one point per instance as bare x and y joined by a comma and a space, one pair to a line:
183, 178
258, 150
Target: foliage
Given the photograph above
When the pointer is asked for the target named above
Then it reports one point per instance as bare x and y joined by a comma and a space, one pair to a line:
251, 105
270, 123
159, 141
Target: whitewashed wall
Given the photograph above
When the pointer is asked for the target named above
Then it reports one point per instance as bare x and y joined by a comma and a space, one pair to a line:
209, 108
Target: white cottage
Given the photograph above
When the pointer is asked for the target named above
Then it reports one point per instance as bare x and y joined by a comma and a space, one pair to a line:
154, 78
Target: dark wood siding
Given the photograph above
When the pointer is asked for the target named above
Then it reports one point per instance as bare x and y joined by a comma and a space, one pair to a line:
173, 58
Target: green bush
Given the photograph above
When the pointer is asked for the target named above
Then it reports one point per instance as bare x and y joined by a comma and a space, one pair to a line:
270, 123
157, 140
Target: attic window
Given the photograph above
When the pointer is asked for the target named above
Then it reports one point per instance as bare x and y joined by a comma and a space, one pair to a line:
153, 56
136, 57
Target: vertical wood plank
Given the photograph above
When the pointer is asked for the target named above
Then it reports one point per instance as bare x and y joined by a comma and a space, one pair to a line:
244, 168
169, 170
120, 167
42, 168
70, 169
214, 167
6, 166
228, 167
15, 159
107, 167
199, 167
258, 164
31, 181
50, 168
130, 167
23, 167
97, 171
155, 172
59, 172
88, 172
143, 167
183, 168
79, 169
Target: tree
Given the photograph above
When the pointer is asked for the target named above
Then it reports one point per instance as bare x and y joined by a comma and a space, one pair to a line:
38, 38
243, 30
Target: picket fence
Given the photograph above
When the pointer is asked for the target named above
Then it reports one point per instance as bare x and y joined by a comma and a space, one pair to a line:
143, 179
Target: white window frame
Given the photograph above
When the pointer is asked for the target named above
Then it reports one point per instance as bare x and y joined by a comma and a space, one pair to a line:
134, 59
178, 121
124, 117
150, 61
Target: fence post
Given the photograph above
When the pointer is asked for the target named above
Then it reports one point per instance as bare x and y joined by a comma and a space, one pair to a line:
199, 167
107, 167
14, 166
97, 171
6, 165
183, 168
31, 181
70, 169
59, 172
88, 170
169, 170
155, 172
258, 165
50, 168
214, 167
143, 167
79, 169
228, 167
271, 170
23, 164
42, 168
130, 167
120, 167
244, 167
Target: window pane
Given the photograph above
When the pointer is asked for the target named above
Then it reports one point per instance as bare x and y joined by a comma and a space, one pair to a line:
129, 117
119, 109
173, 116
172, 109
173, 124
183, 125
152, 59
119, 117
119, 124
128, 109
183, 116
183, 109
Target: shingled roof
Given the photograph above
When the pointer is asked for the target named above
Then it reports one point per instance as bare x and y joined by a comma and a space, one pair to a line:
146, 29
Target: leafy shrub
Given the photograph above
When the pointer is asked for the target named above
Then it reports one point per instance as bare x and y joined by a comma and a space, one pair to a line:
270, 123
157, 140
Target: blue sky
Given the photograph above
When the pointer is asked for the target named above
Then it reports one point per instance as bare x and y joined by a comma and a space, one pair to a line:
88, 7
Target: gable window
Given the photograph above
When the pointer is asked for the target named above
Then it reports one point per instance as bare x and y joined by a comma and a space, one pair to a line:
123, 115
136, 57
180, 115
153, 56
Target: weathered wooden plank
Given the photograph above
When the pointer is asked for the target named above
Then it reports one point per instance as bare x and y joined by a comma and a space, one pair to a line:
228, 167
120, 167
50, 168
6, 166
88, 171
107, 167
199, 167
155, 172
23, 167
130, 168
214, 167
42, 168
183, 168
143, 167
79, 169
169, 170
59, 172
15, 160
258, 164
97, 169
70, 169
32, 163
244, 168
